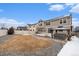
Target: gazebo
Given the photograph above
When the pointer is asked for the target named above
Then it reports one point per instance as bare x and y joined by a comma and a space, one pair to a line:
55, 31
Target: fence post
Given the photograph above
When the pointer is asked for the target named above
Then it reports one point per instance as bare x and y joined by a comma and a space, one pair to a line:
69, 36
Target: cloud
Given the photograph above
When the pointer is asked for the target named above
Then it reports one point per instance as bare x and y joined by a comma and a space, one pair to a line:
10, 22
49, 3
56, 7
75, 22
69, 4
75, 9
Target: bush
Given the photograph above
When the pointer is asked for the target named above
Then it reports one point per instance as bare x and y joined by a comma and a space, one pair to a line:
10, 31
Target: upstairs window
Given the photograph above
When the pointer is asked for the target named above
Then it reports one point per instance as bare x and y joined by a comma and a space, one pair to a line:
47, 23
60, 21
64, 21
40, 24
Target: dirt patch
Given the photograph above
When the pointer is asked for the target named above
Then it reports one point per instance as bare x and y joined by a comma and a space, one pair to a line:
23, 43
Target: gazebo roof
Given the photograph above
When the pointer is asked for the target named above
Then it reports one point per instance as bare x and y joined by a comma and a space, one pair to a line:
61, 29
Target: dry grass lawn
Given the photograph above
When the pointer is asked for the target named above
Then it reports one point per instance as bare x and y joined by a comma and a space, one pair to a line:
24, 43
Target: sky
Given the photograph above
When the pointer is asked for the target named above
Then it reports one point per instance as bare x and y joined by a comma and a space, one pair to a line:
21, 14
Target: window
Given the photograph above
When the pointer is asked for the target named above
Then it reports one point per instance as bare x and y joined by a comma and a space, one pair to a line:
47, 23
50, 30
33, 29
40, 24
60, 21
64, 21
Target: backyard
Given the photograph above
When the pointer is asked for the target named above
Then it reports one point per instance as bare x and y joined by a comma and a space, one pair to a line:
28, 45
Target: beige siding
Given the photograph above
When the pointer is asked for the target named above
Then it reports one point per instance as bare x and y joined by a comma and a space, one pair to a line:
53, 23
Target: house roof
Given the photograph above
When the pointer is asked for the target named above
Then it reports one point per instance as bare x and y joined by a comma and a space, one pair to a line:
53, 19
58, 18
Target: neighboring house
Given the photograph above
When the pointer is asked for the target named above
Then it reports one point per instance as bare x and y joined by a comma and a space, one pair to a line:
76, 28
52, 24
31, 27
21, 28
